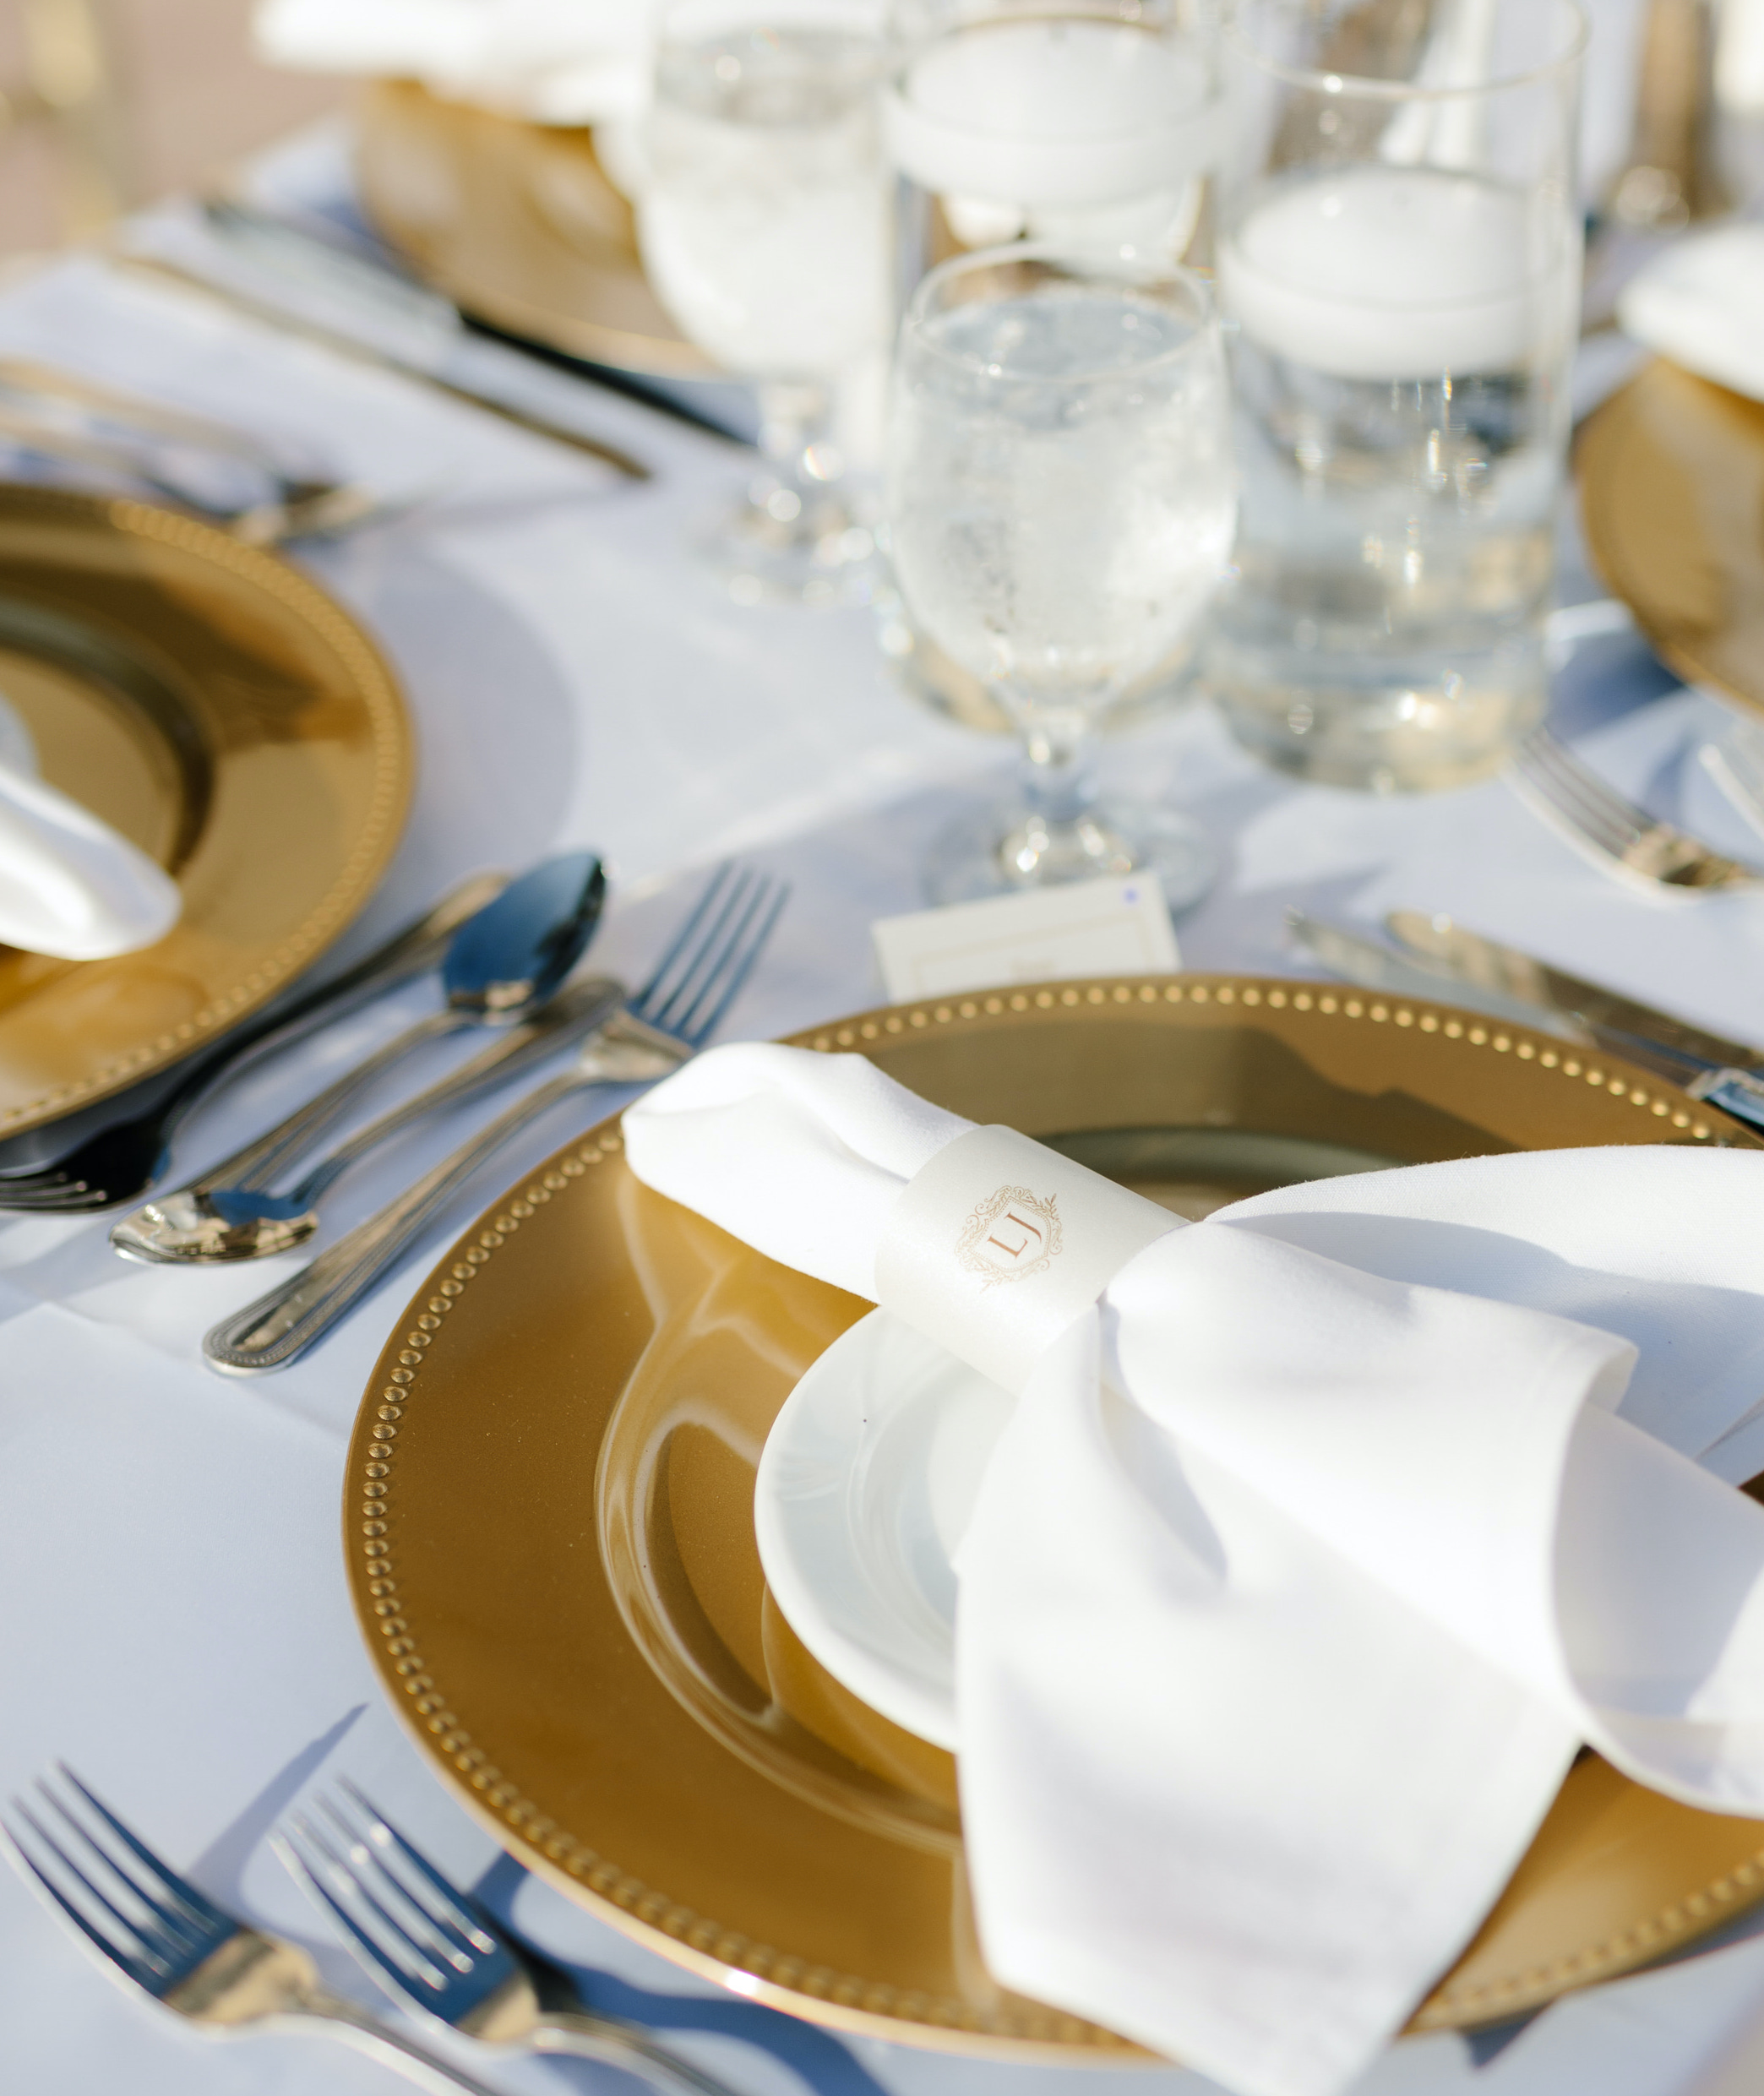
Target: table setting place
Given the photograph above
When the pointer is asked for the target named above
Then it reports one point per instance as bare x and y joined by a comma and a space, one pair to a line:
1076, 690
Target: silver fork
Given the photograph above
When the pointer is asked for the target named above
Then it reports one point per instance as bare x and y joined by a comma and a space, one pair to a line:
1621, 837
668, 1021
1736, 765
432, 1947
158, 1931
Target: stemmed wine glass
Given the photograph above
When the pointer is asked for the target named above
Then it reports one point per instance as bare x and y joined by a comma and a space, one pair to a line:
1061, 500
762, 221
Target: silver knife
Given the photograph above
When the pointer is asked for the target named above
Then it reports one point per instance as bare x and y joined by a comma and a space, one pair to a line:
1445, 948
1375, 966
370, 314
1442, 959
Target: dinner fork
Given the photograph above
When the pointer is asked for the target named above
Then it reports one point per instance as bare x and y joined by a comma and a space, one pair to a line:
158, 1930
1621, 838
431, 1946
1736, 765
667, 1021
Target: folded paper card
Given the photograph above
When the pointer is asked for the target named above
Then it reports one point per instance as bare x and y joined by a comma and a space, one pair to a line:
1309, 1557
1078, 928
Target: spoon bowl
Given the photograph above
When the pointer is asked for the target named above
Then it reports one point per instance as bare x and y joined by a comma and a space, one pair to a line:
502, 966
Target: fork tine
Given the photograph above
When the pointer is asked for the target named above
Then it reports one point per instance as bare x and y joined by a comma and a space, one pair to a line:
694, 917
740, 963
370, 1871
151, 1975
1573, 787
454, 1908
397, 1972
665, 1011
1553, 797
204, 1910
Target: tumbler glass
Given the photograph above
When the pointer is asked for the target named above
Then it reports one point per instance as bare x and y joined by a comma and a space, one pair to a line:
1400, 252
1060, 497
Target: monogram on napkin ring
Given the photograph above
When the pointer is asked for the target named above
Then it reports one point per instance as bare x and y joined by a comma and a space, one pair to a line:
999, 1243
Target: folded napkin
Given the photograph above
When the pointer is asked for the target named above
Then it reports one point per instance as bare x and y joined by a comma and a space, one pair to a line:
1309, 1558
564, 62
69, 885
1701, 303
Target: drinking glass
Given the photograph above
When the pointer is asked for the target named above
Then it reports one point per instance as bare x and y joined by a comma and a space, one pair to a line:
762, 219
1400, 249
1060, 497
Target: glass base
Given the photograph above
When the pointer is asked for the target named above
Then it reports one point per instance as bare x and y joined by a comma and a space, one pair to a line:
1007, 849
780, 548
1415, 727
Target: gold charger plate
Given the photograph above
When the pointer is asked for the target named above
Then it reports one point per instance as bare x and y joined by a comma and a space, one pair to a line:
519, 224
226, 716
1671, 472
548, 1519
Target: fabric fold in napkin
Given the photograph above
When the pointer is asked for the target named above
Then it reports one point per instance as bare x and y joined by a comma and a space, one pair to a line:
1309, 1558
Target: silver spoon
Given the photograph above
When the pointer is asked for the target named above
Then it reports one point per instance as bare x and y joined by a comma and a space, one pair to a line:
501, 965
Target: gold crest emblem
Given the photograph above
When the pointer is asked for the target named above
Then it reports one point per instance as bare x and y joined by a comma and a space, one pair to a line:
1010, 1236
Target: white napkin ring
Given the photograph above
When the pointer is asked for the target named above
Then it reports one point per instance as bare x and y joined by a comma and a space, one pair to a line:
999, 1245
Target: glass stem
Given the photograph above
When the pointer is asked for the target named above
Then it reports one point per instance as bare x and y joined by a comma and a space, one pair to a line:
795, 416
1059, 762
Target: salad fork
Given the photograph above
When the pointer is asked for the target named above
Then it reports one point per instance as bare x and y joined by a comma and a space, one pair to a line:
668, 1021
432, 1947
1621, 837
156, 1930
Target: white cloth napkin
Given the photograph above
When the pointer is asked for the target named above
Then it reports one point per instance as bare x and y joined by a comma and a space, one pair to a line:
565, 62
69, 885
1701, 303
1301, 1571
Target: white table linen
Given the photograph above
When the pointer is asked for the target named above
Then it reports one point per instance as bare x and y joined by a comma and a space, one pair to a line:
176, 1623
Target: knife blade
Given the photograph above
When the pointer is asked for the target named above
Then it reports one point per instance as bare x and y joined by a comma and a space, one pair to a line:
371, 316
1439, 945
1369, 963
1503, 982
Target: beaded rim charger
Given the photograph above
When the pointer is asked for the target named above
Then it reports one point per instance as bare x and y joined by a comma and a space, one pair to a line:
548, 1515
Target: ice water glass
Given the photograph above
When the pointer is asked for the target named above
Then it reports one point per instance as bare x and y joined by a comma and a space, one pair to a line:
763, 218
1060, 497
1399, 251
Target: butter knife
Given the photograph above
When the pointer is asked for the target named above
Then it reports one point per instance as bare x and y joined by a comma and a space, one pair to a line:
1441, 959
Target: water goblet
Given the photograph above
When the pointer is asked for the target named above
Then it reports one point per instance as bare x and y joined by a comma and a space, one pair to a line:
1061, 498
762, 221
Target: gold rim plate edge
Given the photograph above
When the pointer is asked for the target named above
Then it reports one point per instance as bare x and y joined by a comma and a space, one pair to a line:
1671, 475
224, 712
549, 1528
517, 223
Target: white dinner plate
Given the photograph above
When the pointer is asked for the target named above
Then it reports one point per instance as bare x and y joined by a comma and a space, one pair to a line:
864, 1491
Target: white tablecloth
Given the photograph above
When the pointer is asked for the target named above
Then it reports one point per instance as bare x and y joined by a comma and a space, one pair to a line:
175, 1621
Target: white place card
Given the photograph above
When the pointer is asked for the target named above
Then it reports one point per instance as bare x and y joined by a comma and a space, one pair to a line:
1091, 927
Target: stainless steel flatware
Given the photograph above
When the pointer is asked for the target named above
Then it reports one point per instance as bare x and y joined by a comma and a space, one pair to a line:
500, 967
1357, 958
1736, 765
415, 340
157, 1931
1439, 959
431, 1946
115, 1150
1617, 836
59, 414
219, 1226
670, 1019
